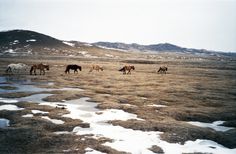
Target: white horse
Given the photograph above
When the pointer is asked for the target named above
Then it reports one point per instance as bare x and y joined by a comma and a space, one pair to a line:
16, 68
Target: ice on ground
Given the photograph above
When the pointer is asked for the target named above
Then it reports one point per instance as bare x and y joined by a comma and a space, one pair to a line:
6, 100
55, 121
215, 125
4, 122
27, 115
123, 139
10, 107
38, 111
69, 43
2, 80
92, 151
22, 88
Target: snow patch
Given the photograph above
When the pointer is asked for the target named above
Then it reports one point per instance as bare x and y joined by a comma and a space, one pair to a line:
109, 55
92, 151
111, 48
158, 106
55, 121
16, 42
62, 132
9, 51
69, 43
38, 112
27, 115
6, 100
10, 107
215, 125
31, 40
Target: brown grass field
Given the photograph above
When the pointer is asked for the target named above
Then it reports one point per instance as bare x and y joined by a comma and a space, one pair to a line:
194, 89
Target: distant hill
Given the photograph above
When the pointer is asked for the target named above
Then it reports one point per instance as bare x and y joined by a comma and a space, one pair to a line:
138, 47
24, 42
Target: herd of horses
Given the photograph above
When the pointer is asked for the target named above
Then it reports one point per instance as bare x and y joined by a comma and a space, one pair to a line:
16, 68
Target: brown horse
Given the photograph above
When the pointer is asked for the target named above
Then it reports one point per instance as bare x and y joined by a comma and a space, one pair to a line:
96, 67
73, 67
127, 69
40, 66
162, 69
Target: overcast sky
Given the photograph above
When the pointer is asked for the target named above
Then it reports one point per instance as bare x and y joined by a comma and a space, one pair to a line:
208, 24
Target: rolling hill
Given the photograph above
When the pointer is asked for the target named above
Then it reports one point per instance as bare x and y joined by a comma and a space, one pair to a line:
25, 42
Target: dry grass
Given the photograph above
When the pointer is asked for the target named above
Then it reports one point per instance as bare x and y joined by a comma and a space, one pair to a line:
200, 90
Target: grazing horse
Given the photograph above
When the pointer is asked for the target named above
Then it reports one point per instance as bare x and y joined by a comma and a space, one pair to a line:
127, 69
40, 66
73, 67
162, 69
16, 68
96, 67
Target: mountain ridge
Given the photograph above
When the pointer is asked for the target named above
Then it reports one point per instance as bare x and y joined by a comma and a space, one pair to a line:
30, 41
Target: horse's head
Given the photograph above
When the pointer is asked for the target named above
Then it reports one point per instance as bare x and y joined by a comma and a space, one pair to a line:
132, 67
101, 68
80, 68
47, 67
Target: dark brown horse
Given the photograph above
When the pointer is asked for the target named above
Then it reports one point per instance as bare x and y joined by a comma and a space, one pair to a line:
127, 69
40, 66
162, 69
73, 67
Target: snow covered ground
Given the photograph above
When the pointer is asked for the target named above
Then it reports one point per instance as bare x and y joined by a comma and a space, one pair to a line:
215, 125
123, 139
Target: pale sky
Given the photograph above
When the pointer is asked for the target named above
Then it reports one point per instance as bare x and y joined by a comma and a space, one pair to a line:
208, 24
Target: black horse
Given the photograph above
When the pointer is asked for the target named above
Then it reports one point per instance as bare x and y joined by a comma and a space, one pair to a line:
73, 67
162, 69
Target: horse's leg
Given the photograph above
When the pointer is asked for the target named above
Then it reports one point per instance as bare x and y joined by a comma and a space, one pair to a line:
8, 69
35, 71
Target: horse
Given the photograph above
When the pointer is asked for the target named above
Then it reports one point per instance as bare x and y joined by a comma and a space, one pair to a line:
40, 66
162, 69
127, 68
73, 67
96, 67
11, 68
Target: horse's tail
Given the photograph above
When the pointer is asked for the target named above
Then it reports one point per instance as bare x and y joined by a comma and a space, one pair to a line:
159, 70
122, 69
67, 69
31, 69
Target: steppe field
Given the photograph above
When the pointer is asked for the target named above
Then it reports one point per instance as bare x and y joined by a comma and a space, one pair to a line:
190, 109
